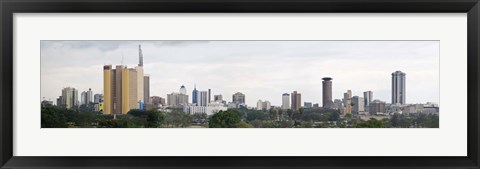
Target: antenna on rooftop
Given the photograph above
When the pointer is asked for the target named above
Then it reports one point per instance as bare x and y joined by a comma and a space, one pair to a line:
122, 59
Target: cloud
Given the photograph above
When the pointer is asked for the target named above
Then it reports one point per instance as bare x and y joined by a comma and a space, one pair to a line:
260, 69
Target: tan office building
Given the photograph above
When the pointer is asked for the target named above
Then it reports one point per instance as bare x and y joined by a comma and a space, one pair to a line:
123, 87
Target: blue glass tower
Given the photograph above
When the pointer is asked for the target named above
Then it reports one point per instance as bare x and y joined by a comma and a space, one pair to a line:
194, 95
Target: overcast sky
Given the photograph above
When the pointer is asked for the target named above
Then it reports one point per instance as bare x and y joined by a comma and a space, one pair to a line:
259, 69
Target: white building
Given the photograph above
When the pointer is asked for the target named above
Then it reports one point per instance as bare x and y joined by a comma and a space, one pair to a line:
259, 105
358, 105
183, 90
285, 101
212, 108
202, 98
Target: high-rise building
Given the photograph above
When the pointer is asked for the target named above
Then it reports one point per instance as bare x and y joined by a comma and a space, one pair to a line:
367, 96
357, 105
146, 89
266, 105
218, 98
296, 100
69, 98
238, 98
398, 87
83, 98
285, 101
177, 100
183, 90
347, 101
376, 107
123, 87
202, 98
89, 96
195, 94
140, 56
263, 105
209, 95
59, 102
97, 98
327, 93
259, 105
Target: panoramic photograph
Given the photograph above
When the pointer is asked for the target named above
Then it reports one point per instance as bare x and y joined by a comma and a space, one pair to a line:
239, 84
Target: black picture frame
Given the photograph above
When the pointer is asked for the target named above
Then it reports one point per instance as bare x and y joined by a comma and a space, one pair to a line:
9, 7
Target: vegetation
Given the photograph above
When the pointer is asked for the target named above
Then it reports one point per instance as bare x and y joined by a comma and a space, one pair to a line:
86, 117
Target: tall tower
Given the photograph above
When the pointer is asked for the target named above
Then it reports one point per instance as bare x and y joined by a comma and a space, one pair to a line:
296, 100
140, 56
398, 87
327, 93
195, 94
367, 96
108, 89
285, 101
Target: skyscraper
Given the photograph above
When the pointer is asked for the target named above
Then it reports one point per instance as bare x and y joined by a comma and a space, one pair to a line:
398, 87
347, 101
89, 96
146, 89
69, 98
209, 95
183, 90
357, 105
195, 94
238, 98
83, 98
259, 105
327, 93
140, 56
177, 100
285, 101
202, 98
123, 87
367, 96
296, 100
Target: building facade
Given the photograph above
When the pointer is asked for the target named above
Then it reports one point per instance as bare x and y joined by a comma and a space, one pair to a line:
194, 94
327, 101
367, 97
123, 87
296, 100
376, 107
69, 98
347, 102
202, 98
285, 101
357, 105
146, 88
398, 88
238, 98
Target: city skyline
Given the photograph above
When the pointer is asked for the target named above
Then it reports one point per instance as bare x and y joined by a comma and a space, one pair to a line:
237, 64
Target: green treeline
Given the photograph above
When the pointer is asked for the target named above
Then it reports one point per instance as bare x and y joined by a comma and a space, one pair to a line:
55, 117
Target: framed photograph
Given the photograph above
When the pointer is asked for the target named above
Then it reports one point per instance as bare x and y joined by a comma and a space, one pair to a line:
232, 84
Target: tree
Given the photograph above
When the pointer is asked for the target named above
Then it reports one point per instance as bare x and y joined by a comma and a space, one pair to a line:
290, 113
155, 119
301, 110
371, 123
273, 114
280, 112
223, 119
